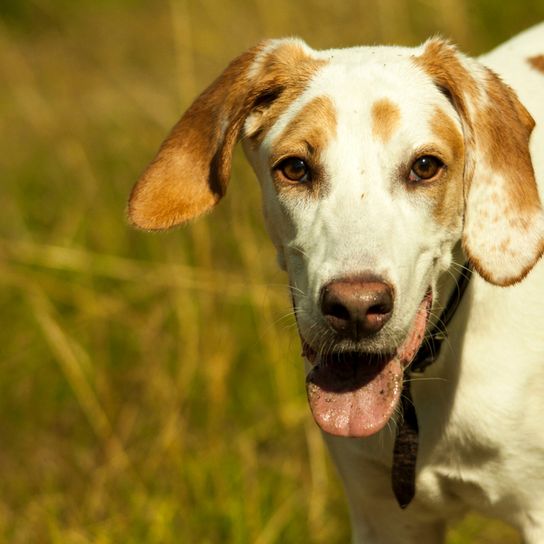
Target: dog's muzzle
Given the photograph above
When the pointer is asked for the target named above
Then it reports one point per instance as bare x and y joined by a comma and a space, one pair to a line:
355, 393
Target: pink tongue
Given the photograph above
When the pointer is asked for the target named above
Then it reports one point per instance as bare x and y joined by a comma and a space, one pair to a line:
357, 396
356, 400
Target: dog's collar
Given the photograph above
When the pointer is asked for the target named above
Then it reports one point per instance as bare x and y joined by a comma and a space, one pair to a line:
403, 472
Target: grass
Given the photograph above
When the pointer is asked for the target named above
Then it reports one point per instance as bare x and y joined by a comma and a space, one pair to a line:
151, 385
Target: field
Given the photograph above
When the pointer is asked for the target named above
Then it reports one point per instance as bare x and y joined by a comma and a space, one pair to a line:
151, 386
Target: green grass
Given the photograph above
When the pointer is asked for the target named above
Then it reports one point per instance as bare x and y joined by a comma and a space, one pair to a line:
151, 388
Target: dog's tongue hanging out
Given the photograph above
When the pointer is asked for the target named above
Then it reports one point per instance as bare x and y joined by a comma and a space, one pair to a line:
354, 394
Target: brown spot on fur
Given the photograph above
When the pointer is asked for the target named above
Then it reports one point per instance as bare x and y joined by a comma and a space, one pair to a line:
191, 170
537, 62
442, 63
505, 244
306, 137
284, 75
509, 156
448, 132
494, 198
385, 119
447, 192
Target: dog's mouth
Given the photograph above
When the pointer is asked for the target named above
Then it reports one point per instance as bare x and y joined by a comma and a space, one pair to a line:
355, 393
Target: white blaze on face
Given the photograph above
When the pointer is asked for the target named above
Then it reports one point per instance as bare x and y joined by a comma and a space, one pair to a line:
359, 214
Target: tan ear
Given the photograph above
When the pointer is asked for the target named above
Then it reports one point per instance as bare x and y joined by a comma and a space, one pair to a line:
191, 170
190, 173
503, 233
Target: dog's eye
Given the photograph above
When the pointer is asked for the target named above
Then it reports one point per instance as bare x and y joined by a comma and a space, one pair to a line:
294, 169
425, 168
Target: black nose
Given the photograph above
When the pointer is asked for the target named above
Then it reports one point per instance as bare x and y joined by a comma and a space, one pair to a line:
356, 307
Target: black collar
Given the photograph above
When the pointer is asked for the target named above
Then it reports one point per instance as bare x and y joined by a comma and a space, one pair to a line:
403, 471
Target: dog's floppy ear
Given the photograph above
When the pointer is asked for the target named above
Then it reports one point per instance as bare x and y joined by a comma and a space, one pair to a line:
503, 233
190, 173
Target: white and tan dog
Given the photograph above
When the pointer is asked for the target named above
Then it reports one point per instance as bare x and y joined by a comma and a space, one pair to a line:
380, 167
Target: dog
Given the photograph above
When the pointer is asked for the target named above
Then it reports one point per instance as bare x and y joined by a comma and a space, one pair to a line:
386, 174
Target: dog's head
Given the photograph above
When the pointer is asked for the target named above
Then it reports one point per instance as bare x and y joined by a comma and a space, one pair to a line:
373, 164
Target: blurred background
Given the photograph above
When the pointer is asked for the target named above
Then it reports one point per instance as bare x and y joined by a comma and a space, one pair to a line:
151, 388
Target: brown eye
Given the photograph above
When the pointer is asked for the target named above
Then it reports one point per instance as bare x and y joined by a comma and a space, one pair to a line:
424, 168
294, 169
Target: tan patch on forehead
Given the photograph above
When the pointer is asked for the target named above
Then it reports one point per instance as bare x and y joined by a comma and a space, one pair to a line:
537, 62
385, 119
282, 76
306, 137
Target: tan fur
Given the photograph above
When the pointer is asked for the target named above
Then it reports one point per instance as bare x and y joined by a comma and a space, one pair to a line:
287, 70
448, 190
537, 62
497, 161
385, 119
441, 62
306, 137
191, 170
510, 155
518, 199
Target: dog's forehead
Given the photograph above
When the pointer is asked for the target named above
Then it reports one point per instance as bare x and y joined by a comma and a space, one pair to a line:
367, 59
360, 77
380, 88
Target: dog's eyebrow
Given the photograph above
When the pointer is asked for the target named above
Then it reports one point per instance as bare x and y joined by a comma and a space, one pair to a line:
537, 62
303, 148
385, 119
312, 126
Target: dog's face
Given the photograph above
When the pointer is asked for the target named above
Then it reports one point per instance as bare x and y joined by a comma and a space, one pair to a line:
362, 181
373, 164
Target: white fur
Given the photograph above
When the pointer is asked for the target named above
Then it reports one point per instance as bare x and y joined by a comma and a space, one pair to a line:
480, 405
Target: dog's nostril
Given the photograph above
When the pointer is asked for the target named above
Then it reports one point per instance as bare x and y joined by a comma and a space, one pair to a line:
338, 310
379, 309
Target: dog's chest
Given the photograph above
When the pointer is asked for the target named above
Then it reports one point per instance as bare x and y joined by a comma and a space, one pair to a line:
470, 456
459, 474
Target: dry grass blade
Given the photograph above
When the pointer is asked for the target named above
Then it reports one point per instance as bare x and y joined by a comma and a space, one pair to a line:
72, 368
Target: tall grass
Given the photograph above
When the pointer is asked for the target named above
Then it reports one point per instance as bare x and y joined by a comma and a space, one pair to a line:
151, 387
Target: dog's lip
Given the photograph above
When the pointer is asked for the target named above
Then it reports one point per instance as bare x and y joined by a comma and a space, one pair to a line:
341, 357
373, 358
